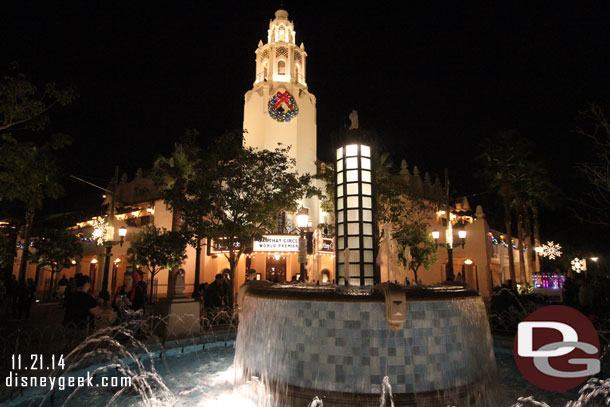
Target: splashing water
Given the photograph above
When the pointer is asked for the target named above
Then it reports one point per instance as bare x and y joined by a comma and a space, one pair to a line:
386, 393
316, 402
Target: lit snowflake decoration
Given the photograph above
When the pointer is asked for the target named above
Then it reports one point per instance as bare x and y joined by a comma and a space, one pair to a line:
551, 250
100, 230
578, 265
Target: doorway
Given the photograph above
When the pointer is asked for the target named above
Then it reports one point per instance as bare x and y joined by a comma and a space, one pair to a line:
275, 269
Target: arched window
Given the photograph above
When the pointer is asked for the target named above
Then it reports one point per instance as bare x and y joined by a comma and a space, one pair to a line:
281, 67
297, 70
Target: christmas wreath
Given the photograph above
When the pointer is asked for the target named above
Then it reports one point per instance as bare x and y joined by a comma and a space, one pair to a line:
283, 107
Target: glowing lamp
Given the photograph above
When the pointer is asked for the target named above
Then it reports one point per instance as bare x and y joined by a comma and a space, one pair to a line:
468, 262
122, 231
303, 218
436, 234
117, 261
462, 234
538, 249
94, 261
594, 258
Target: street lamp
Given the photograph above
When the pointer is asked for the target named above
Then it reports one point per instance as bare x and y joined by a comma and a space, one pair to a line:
462, 236
449, 246
302, 224
104, 294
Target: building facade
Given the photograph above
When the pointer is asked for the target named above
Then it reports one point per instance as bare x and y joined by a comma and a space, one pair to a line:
280, 109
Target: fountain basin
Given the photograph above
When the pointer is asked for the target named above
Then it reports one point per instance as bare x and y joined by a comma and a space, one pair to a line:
335, 343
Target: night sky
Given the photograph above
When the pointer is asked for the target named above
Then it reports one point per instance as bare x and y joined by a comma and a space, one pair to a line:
431, 79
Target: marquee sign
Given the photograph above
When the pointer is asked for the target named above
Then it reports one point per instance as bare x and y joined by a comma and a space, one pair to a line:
277, 243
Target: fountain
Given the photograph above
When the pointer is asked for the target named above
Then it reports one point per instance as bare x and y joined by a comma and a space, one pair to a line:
349, 343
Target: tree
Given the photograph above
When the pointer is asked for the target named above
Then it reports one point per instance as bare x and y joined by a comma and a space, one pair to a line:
595, 203
7, 252
157, 249
29, 174
406, 211
250, 189
500, 161
23, 106
184, 180
422, 247
56, 249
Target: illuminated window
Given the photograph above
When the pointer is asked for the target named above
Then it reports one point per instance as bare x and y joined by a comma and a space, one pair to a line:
352, 189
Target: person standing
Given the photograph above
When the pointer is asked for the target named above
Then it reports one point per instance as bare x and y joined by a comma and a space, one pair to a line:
214, 293
27, 296
227, 288
81, 307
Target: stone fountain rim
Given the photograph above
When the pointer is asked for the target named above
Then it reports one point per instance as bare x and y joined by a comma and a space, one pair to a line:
335, 293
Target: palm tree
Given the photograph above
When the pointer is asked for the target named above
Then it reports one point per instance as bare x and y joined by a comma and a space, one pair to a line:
501, 160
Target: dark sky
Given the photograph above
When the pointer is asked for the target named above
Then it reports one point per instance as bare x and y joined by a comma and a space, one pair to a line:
431, 78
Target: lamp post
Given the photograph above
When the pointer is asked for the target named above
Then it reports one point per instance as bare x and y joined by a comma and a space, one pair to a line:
450, 276
104, 294
303, 223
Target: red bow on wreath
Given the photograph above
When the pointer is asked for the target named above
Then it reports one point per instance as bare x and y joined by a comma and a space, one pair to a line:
283, 98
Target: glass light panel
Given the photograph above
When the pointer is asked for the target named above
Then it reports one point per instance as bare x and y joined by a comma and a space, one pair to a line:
366, 163
365, 151
354, 270
351, 163
353, 242
352, 176
354, 256
353, 215
340, 216
340, 204
367, 215
366, 175
341, 244
368, 242
366, 189
351, 150
339, 153
368, 281
339, 191
367, 202
355, 280
367, 229
368, 270
339, 178
340, 267
341, 257
368, 256
340, 229
353, 228
340, 165
352, 201
352, 189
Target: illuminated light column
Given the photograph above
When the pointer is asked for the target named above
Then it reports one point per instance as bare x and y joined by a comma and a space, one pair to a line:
355, 216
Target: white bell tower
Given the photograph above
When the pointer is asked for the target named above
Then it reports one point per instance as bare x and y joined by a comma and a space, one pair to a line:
279, 108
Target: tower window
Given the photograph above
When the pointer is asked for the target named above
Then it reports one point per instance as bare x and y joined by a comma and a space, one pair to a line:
281, 67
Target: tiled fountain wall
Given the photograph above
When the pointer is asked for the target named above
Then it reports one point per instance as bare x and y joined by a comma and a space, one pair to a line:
349, 347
